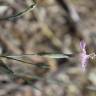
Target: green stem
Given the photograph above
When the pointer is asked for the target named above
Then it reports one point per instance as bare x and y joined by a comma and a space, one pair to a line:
4, 56
20, 13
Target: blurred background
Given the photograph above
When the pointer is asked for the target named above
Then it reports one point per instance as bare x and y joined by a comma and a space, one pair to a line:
55, 26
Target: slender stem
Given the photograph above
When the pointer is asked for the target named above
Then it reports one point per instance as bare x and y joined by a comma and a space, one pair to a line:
4, 56
20, 13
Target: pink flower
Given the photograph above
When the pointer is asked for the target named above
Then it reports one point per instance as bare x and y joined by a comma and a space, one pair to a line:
83, 56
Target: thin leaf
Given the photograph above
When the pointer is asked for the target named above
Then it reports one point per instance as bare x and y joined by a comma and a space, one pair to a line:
54, 55
44, 54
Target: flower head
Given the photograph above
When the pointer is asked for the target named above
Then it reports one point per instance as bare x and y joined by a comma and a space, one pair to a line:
83, 56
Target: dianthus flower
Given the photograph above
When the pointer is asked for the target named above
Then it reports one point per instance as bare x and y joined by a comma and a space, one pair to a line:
83, 56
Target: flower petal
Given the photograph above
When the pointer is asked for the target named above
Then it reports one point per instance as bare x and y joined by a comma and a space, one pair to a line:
82, 44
